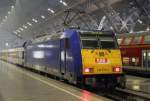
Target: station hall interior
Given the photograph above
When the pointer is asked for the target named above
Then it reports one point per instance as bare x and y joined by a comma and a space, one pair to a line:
74, 50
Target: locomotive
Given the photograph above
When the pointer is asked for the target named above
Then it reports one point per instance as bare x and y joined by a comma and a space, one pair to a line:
77, 56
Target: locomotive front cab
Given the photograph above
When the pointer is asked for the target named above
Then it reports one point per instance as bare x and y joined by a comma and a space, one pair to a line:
100, 54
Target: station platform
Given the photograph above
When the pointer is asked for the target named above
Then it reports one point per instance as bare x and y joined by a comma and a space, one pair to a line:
17, 84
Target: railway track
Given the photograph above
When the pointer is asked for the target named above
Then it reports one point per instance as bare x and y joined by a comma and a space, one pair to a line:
127, 95
119, 94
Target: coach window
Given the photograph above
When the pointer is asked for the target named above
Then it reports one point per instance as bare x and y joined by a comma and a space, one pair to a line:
136, 40
147, 39
119, 40
126, 61
127, 41
135, 61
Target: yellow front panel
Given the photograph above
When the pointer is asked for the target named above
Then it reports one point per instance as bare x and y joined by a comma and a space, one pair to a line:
101, 61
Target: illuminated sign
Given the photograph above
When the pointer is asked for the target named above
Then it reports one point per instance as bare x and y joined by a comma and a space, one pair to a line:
38, 54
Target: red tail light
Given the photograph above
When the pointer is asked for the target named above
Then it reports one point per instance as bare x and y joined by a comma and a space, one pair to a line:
88, 70
117, 69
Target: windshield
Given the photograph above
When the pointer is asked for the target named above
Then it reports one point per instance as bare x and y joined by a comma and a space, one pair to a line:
90, 43
98, 42
107, 42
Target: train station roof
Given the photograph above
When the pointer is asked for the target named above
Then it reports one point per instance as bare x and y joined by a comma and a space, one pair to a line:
22, 20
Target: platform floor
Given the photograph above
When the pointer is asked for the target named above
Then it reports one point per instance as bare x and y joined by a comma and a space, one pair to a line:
17, 84
138, 83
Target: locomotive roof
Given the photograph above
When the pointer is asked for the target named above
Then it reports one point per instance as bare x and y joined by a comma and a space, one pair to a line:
82, 33
46, 38
96, 32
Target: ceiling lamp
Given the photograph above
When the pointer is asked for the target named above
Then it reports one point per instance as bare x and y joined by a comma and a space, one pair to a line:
29, 23
21, 29
6, 44
64, 3
18, 31
8, 12
35, 20
12, 7
19, 35
43, 17
15, 32
140, 21
52, 11
24, 26
5, 17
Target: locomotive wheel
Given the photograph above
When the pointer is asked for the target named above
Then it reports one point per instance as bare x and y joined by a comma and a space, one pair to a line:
110, 83
122, 82
81, 82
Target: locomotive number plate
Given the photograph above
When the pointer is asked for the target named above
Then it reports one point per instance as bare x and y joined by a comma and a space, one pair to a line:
102, 70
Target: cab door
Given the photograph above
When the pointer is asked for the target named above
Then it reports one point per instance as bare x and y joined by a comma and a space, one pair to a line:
62, 57
64, 46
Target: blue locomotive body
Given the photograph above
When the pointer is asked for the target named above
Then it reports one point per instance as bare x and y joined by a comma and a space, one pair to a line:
59, 56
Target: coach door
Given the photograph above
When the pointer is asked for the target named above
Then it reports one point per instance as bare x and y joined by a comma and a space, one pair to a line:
146, 59
64, 46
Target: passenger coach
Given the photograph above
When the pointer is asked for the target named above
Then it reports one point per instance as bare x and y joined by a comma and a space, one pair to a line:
135, 52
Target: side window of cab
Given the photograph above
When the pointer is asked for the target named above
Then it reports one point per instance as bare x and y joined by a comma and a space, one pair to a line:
67, 43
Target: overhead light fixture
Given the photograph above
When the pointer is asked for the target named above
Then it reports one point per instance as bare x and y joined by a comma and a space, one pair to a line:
43, 17
34, 20
52, 11
15, 32
5, 17
140, 21
8, 12
64, 3
24, 26
29, 23
18, 31
12, 7
19, 35
6, 44
21, 29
